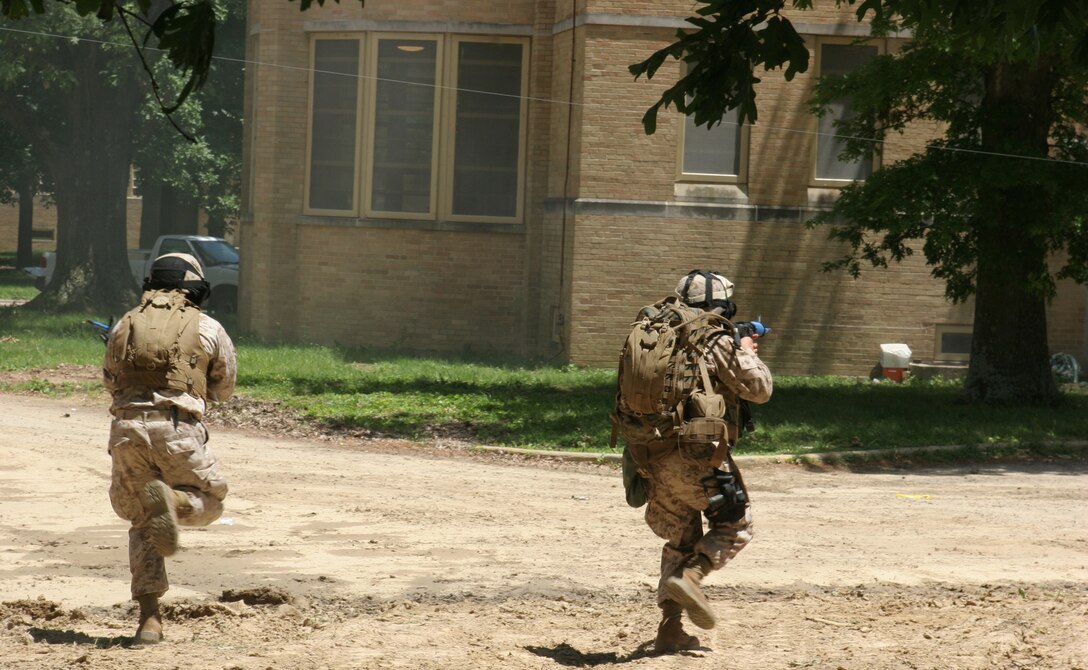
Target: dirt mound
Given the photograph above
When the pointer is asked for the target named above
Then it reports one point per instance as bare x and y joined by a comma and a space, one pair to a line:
264, 595
39, 610
189, 609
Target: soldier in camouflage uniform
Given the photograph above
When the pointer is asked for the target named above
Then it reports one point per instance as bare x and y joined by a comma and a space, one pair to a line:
685, 481
164, 473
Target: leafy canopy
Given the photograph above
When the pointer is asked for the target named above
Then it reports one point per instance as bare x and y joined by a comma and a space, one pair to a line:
184, 31
941, 195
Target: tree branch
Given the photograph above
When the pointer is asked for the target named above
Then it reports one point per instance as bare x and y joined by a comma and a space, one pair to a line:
24, 121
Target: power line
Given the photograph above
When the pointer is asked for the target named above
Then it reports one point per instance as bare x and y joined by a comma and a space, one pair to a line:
553, 101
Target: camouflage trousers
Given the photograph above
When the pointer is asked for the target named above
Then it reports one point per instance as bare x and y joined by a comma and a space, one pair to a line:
677, 500
146, 447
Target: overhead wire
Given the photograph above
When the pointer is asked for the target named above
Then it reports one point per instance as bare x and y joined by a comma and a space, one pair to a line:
555, 101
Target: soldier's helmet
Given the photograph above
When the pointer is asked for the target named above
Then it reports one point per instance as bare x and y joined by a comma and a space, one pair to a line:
692, 289
178, 271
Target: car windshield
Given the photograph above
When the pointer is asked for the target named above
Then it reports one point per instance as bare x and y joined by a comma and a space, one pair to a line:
215, 252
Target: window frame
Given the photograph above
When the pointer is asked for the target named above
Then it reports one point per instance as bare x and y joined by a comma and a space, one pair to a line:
369, 118
704, 177
814, 158
940, 329
443, 140
449, 128
356, 196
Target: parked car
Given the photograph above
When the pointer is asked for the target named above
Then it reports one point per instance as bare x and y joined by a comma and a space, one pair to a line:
218, 258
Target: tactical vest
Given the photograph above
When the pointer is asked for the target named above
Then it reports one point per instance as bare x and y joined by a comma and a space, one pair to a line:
665, 397
157, 345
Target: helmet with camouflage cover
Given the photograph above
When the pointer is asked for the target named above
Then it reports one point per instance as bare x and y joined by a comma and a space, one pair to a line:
692, 289
178, 271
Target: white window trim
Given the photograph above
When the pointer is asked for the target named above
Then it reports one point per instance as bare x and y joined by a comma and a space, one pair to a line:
814, 181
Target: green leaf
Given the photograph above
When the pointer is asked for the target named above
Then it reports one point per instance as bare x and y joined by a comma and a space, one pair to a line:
14, 9
187, 34
85, 7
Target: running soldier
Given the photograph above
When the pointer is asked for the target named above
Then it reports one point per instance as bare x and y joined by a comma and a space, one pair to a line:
685, 375
164, 360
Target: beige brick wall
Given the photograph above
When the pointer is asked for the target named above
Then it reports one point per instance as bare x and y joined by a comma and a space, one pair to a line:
45, 220
416, 289
591, 265
824, 323
352, 281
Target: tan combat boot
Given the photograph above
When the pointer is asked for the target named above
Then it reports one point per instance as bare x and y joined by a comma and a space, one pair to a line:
684, 589
161, 502
150, 629
671, 637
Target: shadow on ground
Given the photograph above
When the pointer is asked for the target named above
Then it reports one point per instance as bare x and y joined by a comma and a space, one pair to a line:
568, 656
70, 637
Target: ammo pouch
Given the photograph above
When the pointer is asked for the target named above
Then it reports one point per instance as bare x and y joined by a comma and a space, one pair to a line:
703, 427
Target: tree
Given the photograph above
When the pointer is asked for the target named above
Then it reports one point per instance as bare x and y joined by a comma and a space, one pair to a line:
185, 31
78, 102
21, 179
74, 101
999, 195
68, 99
177, 178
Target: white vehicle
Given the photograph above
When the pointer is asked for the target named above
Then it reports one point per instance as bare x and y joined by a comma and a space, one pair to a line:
218, 258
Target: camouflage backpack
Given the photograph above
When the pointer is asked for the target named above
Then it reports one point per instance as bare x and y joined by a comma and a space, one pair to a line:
663, 386
158, 344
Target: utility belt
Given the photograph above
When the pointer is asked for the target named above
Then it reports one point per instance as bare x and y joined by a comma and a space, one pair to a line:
174, 414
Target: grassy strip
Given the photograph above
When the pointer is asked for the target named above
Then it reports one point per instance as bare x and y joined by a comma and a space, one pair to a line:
533, 405
14, 283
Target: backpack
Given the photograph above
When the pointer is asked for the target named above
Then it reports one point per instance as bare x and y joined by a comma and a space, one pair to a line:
158, 345
664, 394
659, 365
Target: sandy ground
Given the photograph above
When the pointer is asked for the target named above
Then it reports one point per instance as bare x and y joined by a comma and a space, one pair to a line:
348, 553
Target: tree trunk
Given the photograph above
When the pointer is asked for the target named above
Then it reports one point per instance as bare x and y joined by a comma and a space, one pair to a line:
150, 215
217, 227
24, 245
92, 271
1010, 360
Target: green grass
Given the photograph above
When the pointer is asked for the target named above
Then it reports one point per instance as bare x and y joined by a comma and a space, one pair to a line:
522, 404
32, 340
14, 283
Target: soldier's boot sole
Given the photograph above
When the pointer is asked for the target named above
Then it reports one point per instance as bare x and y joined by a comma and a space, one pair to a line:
160, 503
686, 591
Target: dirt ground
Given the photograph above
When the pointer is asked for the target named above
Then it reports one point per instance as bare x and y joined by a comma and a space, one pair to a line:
348, 552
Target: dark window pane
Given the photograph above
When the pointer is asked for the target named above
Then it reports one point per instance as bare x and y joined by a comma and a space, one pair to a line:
838, 59
487, 134
403, 139
332, 138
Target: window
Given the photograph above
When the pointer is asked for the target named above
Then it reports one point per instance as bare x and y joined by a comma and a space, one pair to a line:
717, 154
173, 245
334, 94
837, 59
403, 141
444, 129
952, 342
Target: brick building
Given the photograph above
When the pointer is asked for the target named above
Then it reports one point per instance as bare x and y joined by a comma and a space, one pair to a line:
477, 178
